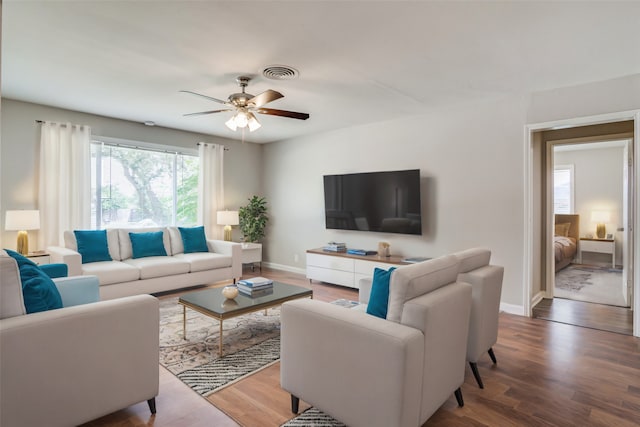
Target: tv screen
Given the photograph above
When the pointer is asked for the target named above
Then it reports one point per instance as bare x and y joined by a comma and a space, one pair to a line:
387, 202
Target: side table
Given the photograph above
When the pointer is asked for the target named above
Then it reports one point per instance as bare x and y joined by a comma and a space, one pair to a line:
603, 246
39, 258
252, 253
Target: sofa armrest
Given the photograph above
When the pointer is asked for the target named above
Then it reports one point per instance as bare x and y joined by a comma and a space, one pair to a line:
229, 248
364, 290
66, 256
96, 358
78, 290
375, 364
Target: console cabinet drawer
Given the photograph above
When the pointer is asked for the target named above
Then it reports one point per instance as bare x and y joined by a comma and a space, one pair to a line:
366, 267
331, 262
344, 278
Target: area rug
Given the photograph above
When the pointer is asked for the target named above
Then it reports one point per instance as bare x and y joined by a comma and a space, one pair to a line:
250, 343
313, 417
590, 283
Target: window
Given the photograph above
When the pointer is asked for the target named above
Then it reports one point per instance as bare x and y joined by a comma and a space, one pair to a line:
563, 189
142, 187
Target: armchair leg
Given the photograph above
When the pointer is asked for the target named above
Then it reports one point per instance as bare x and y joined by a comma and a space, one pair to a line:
492, 356
476, 373
152, 405
295, 403
458, 394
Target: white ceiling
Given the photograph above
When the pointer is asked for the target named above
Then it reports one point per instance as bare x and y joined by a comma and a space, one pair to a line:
359, 61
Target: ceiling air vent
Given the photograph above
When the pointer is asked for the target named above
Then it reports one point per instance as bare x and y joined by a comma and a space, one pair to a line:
280, 72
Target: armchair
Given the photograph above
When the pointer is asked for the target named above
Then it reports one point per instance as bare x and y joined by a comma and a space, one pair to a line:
368, 371
82, 361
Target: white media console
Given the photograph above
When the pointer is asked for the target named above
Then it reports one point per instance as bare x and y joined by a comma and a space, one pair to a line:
345, 269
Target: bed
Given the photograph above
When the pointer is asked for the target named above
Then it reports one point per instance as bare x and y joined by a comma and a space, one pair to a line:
565, 239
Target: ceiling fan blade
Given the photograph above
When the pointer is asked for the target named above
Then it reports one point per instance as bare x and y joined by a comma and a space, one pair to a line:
206, 97
202, 113
264, 98
283, 113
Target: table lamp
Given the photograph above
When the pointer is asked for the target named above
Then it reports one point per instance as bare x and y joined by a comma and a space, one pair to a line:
600, 218
21, 221
228, 218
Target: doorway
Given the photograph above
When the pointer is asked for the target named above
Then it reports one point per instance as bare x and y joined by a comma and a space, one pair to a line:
541, 228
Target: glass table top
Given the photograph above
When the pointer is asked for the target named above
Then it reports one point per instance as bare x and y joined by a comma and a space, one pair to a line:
214, 302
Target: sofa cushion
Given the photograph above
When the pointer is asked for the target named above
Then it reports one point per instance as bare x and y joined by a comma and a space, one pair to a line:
472, 259
112, 242
175, 239
92, 245
379, 297
201, 261
11, 299
158, 266
193, 239
126, 250
38, 290
410, 281
110, 272
147, 244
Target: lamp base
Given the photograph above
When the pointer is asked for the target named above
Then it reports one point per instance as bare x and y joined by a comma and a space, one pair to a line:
227, 233
601, 231
22, 246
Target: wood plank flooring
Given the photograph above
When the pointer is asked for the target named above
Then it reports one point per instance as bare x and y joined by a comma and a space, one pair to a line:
586, 314
548, 374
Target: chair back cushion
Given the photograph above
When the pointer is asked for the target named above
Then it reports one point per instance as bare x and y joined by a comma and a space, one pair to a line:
410, 281
11, 300
472, 259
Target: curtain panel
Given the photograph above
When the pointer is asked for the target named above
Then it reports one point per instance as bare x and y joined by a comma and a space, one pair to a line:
64, 196
210, 187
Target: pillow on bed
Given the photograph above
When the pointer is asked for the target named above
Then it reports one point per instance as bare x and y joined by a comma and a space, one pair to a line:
563, 229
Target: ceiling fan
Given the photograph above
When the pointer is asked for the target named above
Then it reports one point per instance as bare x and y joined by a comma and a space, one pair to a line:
245, 105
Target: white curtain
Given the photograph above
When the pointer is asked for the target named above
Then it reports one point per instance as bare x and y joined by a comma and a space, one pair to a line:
210, 187
65, 181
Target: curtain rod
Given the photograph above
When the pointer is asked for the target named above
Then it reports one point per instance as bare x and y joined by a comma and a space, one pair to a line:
64, 124
206, 143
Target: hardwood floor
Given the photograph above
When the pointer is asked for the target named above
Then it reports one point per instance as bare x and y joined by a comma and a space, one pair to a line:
586, 314
548, 374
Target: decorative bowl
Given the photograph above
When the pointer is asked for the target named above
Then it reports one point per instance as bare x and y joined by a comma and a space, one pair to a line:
230, 292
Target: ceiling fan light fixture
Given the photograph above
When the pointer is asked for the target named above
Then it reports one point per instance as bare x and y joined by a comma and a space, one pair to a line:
231, 123
253, 123
241, 119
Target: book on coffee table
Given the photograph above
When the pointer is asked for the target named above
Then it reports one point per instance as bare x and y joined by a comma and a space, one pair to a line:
255, 282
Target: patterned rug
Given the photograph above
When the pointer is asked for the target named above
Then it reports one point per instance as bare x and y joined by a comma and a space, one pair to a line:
251, 342
589, 283
313, 417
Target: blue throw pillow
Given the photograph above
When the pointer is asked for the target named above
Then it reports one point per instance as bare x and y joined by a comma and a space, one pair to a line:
38, 290
193, 239
379, 298
92, 245
147, 244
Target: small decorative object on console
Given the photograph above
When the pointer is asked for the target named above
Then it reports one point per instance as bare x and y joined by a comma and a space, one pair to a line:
230, 292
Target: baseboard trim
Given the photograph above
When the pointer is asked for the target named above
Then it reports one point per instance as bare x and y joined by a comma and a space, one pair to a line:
283, 267
537, 298
512, 309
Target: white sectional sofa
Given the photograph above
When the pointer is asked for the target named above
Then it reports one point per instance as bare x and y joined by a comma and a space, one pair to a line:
125, 275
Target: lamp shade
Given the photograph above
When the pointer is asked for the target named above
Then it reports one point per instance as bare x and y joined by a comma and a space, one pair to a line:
600, 216
228, 218
22, 220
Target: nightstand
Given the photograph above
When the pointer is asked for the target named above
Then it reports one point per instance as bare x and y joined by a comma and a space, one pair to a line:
602, 246
252, 253
39, 258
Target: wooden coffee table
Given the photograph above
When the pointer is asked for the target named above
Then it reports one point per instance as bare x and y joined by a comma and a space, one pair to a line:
212, 303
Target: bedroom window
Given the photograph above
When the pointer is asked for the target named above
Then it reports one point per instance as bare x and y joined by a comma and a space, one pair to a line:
138, 186
563, 189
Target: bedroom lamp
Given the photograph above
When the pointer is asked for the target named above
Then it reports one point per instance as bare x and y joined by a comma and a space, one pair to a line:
600, 218
21, 221
228, 218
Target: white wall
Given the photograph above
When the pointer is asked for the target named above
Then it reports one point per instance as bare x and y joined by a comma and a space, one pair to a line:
471, 167
20, 136
598, 178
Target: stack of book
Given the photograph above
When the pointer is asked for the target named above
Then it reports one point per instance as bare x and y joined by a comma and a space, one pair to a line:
256, 286
335, 247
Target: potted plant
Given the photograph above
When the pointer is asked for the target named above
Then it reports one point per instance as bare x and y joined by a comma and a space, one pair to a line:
253, 219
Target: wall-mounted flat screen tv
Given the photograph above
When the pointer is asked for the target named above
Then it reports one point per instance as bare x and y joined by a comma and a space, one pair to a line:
386, 202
